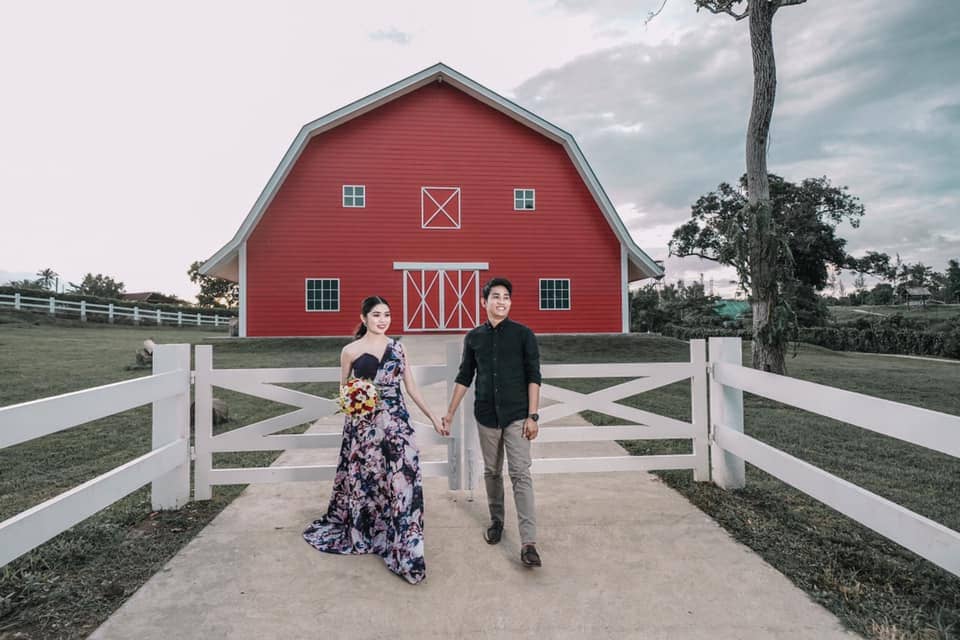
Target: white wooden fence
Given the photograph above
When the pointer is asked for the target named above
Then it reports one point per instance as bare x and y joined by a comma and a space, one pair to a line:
731, 447
167, 465
257, 436
645, 376
720, 448
82, 309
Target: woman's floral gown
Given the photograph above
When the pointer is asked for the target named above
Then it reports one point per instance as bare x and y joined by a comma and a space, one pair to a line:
377, 501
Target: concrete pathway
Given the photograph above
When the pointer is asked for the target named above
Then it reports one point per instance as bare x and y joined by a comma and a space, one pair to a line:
624, 557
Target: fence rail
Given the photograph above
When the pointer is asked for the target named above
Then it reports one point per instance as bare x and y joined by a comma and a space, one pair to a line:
166, 466
646, 376
137, 315
262, 435
720, 447
731, 448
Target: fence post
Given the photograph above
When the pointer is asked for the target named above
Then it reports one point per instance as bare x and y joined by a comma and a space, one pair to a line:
83, 310
171, 422
53, 306
726, 408
136, 315
198, 318
472, 457
16, 301
698, 411
179, 318
110, 313
203, 422
216, 320
455, 478
159, 317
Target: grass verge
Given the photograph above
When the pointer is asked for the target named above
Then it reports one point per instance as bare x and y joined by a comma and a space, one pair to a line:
874, 586
66, 587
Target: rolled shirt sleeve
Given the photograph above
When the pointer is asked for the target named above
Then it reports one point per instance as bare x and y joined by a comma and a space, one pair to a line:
468, 364
531, 358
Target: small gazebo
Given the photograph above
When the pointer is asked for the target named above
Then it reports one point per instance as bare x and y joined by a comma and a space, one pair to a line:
917, 296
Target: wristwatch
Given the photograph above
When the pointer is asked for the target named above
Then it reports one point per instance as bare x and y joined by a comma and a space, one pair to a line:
535, 417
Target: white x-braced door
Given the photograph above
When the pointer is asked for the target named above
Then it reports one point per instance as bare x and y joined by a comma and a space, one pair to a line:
440, 296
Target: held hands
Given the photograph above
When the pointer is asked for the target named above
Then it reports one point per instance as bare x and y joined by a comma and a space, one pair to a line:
530, 429
447, 420
442, 426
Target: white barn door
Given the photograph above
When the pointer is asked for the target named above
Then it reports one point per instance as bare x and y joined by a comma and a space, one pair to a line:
440, 296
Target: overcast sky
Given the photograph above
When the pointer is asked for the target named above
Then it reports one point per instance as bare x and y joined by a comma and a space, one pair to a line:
134, 139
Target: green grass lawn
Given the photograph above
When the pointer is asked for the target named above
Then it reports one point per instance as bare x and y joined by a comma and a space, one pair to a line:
65, 588
68, 586
935, 314
875, 586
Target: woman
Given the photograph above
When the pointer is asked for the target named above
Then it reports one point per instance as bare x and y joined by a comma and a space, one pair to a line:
377, 501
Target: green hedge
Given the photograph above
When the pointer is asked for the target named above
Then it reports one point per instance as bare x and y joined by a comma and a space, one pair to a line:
877, 338
881, 339
700, 333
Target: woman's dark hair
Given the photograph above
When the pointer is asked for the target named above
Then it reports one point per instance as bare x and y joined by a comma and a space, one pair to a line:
496, 282
366, 307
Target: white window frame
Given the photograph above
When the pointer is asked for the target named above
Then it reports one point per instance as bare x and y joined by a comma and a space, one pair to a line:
441, 208
523, 198
353, 196
569, 294
306, 295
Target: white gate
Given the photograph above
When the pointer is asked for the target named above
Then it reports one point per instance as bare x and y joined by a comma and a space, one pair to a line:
440, 296
257, 436
647, 426
463, 466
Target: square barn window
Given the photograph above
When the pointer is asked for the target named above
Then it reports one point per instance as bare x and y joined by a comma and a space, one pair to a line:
524, 199
554, 294
354, 195
323, 294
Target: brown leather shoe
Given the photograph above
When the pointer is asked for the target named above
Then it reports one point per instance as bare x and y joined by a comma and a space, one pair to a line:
529, 556
494, 532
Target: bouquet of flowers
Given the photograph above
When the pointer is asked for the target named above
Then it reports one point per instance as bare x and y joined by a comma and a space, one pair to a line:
358, 397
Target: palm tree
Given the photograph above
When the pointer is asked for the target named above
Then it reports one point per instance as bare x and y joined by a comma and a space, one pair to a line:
47, 277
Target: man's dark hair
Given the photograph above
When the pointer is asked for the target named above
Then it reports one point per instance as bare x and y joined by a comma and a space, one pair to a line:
496, 282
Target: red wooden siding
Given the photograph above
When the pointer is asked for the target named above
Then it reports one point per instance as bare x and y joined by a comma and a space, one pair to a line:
435, 136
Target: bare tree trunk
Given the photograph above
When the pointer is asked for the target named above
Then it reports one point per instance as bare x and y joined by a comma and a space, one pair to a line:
769, 345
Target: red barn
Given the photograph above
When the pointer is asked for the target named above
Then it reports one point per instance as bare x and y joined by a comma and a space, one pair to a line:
420, 193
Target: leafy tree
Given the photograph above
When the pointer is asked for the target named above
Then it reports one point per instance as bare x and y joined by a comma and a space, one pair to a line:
804, 246
874, 263
951, 285
47, 277
98, 285
695, 307
918, 275
654, 306
645, 311
881, 294
760, 246
213, 291
859, 283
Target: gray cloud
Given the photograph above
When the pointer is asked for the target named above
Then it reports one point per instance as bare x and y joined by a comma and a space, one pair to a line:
862, 98
392, 35
949, 112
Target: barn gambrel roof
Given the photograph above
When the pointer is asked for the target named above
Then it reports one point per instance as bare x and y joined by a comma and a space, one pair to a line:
224, 262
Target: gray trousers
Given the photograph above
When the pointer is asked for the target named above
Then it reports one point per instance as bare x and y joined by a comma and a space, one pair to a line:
493, 443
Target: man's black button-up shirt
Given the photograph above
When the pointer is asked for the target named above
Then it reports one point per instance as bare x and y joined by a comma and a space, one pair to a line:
506, 359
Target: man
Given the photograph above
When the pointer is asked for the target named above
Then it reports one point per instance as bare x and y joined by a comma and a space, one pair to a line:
504, 356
